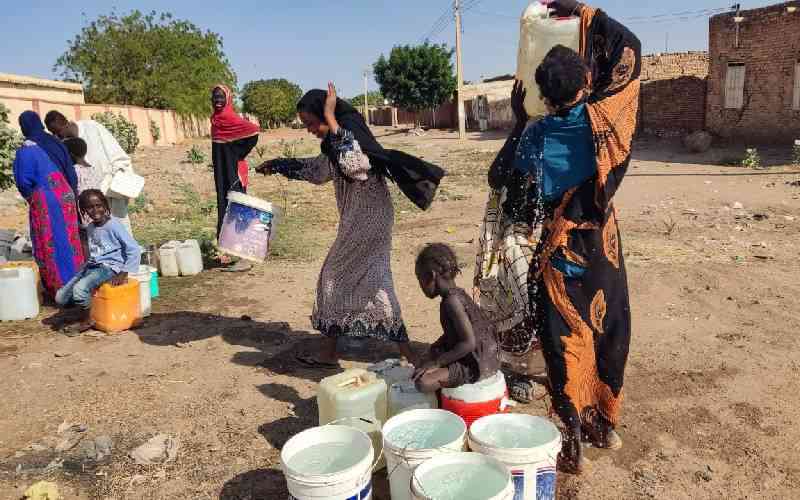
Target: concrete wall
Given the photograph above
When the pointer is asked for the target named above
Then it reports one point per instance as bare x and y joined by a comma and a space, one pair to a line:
769, 47
24, 87
21, 93
174, 129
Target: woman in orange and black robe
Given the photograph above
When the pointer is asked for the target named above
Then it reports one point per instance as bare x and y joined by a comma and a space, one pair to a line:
583, 322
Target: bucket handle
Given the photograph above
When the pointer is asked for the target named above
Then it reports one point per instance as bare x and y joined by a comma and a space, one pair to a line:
373, 422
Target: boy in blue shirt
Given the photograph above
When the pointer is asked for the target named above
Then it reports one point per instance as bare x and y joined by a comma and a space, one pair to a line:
113, 255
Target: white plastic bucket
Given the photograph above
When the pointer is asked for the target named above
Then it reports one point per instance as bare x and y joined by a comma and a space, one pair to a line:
438, 432
332, 462
527, 445
144, 276
248, 227
462, 476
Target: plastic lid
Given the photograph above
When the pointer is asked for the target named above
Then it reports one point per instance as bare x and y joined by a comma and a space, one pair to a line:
250, 201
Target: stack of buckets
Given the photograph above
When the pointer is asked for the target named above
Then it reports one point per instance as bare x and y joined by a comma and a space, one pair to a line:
513, 457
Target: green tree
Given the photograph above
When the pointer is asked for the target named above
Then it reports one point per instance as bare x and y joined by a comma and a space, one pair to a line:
417, 77
374, 98
10, 140
273, 102
150, 60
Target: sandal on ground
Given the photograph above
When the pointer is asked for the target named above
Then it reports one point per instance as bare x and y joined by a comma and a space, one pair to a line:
311, 362
521, 390
239, 267
76, 330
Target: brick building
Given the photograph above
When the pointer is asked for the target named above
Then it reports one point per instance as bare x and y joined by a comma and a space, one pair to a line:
673, 95
754, 75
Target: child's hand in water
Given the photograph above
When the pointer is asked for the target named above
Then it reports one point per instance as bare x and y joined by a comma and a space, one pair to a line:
119, 279
425, 368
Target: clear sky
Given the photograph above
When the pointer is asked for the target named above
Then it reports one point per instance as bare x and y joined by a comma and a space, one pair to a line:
311, 41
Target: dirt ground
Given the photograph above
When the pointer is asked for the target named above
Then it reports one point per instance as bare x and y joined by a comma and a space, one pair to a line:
711, 389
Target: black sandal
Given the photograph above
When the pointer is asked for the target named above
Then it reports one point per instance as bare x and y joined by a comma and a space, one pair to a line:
311, 362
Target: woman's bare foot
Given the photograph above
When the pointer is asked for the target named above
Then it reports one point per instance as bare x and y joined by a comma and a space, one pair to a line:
601, 434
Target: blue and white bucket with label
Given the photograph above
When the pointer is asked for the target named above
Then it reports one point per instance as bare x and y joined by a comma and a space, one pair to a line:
527, 445
248, 227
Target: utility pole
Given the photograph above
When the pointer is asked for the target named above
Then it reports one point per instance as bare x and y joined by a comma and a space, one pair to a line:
366, 97
462, 132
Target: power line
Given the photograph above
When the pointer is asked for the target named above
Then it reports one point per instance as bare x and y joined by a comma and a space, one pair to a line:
439, 25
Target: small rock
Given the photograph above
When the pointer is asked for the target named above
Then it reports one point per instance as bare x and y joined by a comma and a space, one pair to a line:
737, 206
137, 480
42, 490
63, 354
36, 447
703, 475
788, 218
160, 449
760, 217
698, 142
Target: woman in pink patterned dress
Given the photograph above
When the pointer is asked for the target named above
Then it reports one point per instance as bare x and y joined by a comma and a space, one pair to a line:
46, 178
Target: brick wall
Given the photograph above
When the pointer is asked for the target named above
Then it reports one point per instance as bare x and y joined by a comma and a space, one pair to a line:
673, 96
769, 47
664, 66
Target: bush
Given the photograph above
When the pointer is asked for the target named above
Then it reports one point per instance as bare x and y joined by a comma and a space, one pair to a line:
751, 159
155, 131
125, 132
195, 156
796, 153
10, 140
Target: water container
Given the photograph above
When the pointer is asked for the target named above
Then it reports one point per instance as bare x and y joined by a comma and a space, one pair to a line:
473, 401
248, 227
168, 259
144, 276
404, 396
126, 185
20, 250
415, 436
528, 446
33, 267
357, 398
462, 476
332, 462
116, 308
190, 258
154, 289
19, 299
538, 33
392, 371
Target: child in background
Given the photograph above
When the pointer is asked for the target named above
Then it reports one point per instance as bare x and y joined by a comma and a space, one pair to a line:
467, 352
88, 176
113, 254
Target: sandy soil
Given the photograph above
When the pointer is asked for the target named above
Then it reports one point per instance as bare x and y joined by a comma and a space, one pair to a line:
711, 400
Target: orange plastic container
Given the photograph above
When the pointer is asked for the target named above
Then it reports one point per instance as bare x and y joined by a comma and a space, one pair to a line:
116, 308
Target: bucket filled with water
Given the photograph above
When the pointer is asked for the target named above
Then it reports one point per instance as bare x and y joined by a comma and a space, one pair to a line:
332, 462
528, 446
247, 228
462, 476
415, 436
